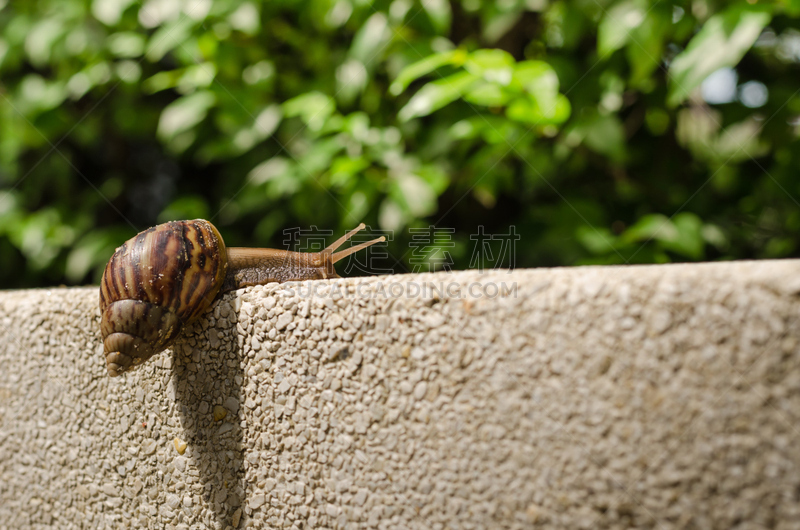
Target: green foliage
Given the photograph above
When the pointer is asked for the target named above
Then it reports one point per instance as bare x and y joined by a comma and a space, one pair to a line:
590, 125
723, 41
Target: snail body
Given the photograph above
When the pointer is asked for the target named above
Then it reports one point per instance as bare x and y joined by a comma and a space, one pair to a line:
167, 276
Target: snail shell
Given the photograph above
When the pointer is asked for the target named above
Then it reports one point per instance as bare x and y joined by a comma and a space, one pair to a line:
156, 283
167, 276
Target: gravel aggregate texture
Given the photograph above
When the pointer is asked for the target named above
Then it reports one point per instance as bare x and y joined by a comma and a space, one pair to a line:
594, 397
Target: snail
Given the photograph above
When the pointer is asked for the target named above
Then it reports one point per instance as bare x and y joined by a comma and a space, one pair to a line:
167, 276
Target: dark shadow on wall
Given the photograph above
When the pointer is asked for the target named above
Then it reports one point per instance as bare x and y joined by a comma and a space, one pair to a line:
208, 380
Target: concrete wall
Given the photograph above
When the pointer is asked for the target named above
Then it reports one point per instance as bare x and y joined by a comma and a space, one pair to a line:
660, 396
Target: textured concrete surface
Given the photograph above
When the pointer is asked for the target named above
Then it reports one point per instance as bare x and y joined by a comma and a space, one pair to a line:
654, 397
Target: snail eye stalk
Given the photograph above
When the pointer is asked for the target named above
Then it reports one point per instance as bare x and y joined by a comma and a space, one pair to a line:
352, 250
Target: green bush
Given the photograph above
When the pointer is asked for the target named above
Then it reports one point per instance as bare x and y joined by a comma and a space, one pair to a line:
591, 126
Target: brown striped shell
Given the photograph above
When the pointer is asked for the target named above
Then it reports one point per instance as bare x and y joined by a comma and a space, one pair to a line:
156, 283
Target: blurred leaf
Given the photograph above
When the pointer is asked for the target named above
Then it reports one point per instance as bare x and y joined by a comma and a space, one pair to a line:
689, 241
657, 121
188, 79
370, 40
3, 51
683, 234
537, 77
274, 168
414, 195
414, 71
352, 77
615, 28
357, 207
648, 228
715, 236
197, 76
41, 40
314, 108
439, 13
436, 179
91, 251
530, 111
498, 23
109, 12
487, 94
42, 236
36, 94
319, 157
493, 65
168, 37
263, 126
596, 240
246, 18
740, 142
604, 135
126, 44
258, 73
792, 7
161, 81
184, 113
85, 80
540, 81
10, 214
722, 41
391, 215
466, 129
646, 50
436, 95
344, 169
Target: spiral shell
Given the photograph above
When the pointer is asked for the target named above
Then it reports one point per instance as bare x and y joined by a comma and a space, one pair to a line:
156, 283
